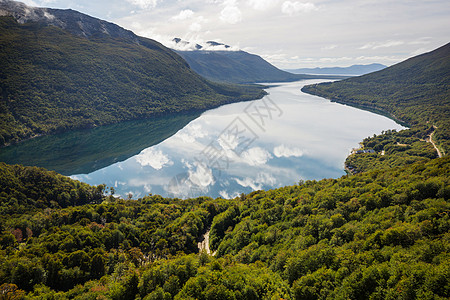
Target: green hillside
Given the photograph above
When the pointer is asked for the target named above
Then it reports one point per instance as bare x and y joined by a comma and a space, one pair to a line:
376, 235
416, 91
240, 67
52, 81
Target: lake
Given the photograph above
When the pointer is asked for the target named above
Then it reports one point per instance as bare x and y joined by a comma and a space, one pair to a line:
279, 140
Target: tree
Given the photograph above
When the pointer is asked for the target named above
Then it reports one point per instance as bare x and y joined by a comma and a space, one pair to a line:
97, 266
10, 292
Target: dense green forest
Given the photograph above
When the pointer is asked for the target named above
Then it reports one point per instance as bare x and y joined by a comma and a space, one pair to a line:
52, 80
393, 149
374, 235
415, 91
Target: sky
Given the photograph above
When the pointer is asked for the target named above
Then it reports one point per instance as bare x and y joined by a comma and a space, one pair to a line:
289, 34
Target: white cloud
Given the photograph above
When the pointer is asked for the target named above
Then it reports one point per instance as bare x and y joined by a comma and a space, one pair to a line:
378, 45
258, 182
228, 142
231, 13
202, 175
144, 4
30, 2
191, 133
256, 156
183, 15
421, 41
195, 27
117, 183
136, 25
291, 8
283, 151
147, 188
192, 43
154, 158
224, 194
248, 182
329, 47
139, 182
420, 51
262, 4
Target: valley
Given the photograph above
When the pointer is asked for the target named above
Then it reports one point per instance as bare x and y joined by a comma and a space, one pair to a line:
190, 187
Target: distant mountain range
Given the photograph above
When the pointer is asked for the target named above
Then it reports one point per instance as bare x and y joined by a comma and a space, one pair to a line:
351, 71
63, 70
234, 66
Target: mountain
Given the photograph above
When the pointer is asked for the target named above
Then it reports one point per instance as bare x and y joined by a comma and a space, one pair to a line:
415, 91
352, 70
70, 20
235, 66
63, 70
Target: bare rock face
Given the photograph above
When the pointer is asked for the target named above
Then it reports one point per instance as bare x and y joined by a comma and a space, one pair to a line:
75, 22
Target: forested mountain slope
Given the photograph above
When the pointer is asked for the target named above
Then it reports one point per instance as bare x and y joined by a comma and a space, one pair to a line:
415, 91
375, 235
61, 70
239, 67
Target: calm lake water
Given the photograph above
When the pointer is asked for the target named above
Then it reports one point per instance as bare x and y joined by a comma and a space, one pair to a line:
237, 148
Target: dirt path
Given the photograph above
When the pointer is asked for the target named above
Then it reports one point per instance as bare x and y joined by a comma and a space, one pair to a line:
430, 139
204, 245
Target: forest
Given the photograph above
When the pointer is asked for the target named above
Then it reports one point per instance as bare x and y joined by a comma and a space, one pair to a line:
379, 234
393, 149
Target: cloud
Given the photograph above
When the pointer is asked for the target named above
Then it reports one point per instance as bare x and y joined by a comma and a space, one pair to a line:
139, 182
228, 142
248, 182
378, 45
420, 51
224, 194
192, 44
153, 158
30, 3
257, 183
283, 151
256, 156
421, 41
231, 13
292, 8
144, 4
262, 4
117, 183
201, 176
329, 47
191, 133
196, 27
183, 15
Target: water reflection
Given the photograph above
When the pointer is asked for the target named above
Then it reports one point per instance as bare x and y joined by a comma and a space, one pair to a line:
86, 151
241, 147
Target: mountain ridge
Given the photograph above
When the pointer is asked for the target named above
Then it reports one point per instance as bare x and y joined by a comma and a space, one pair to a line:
351, 70
240, 67
221, 63
71, 20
